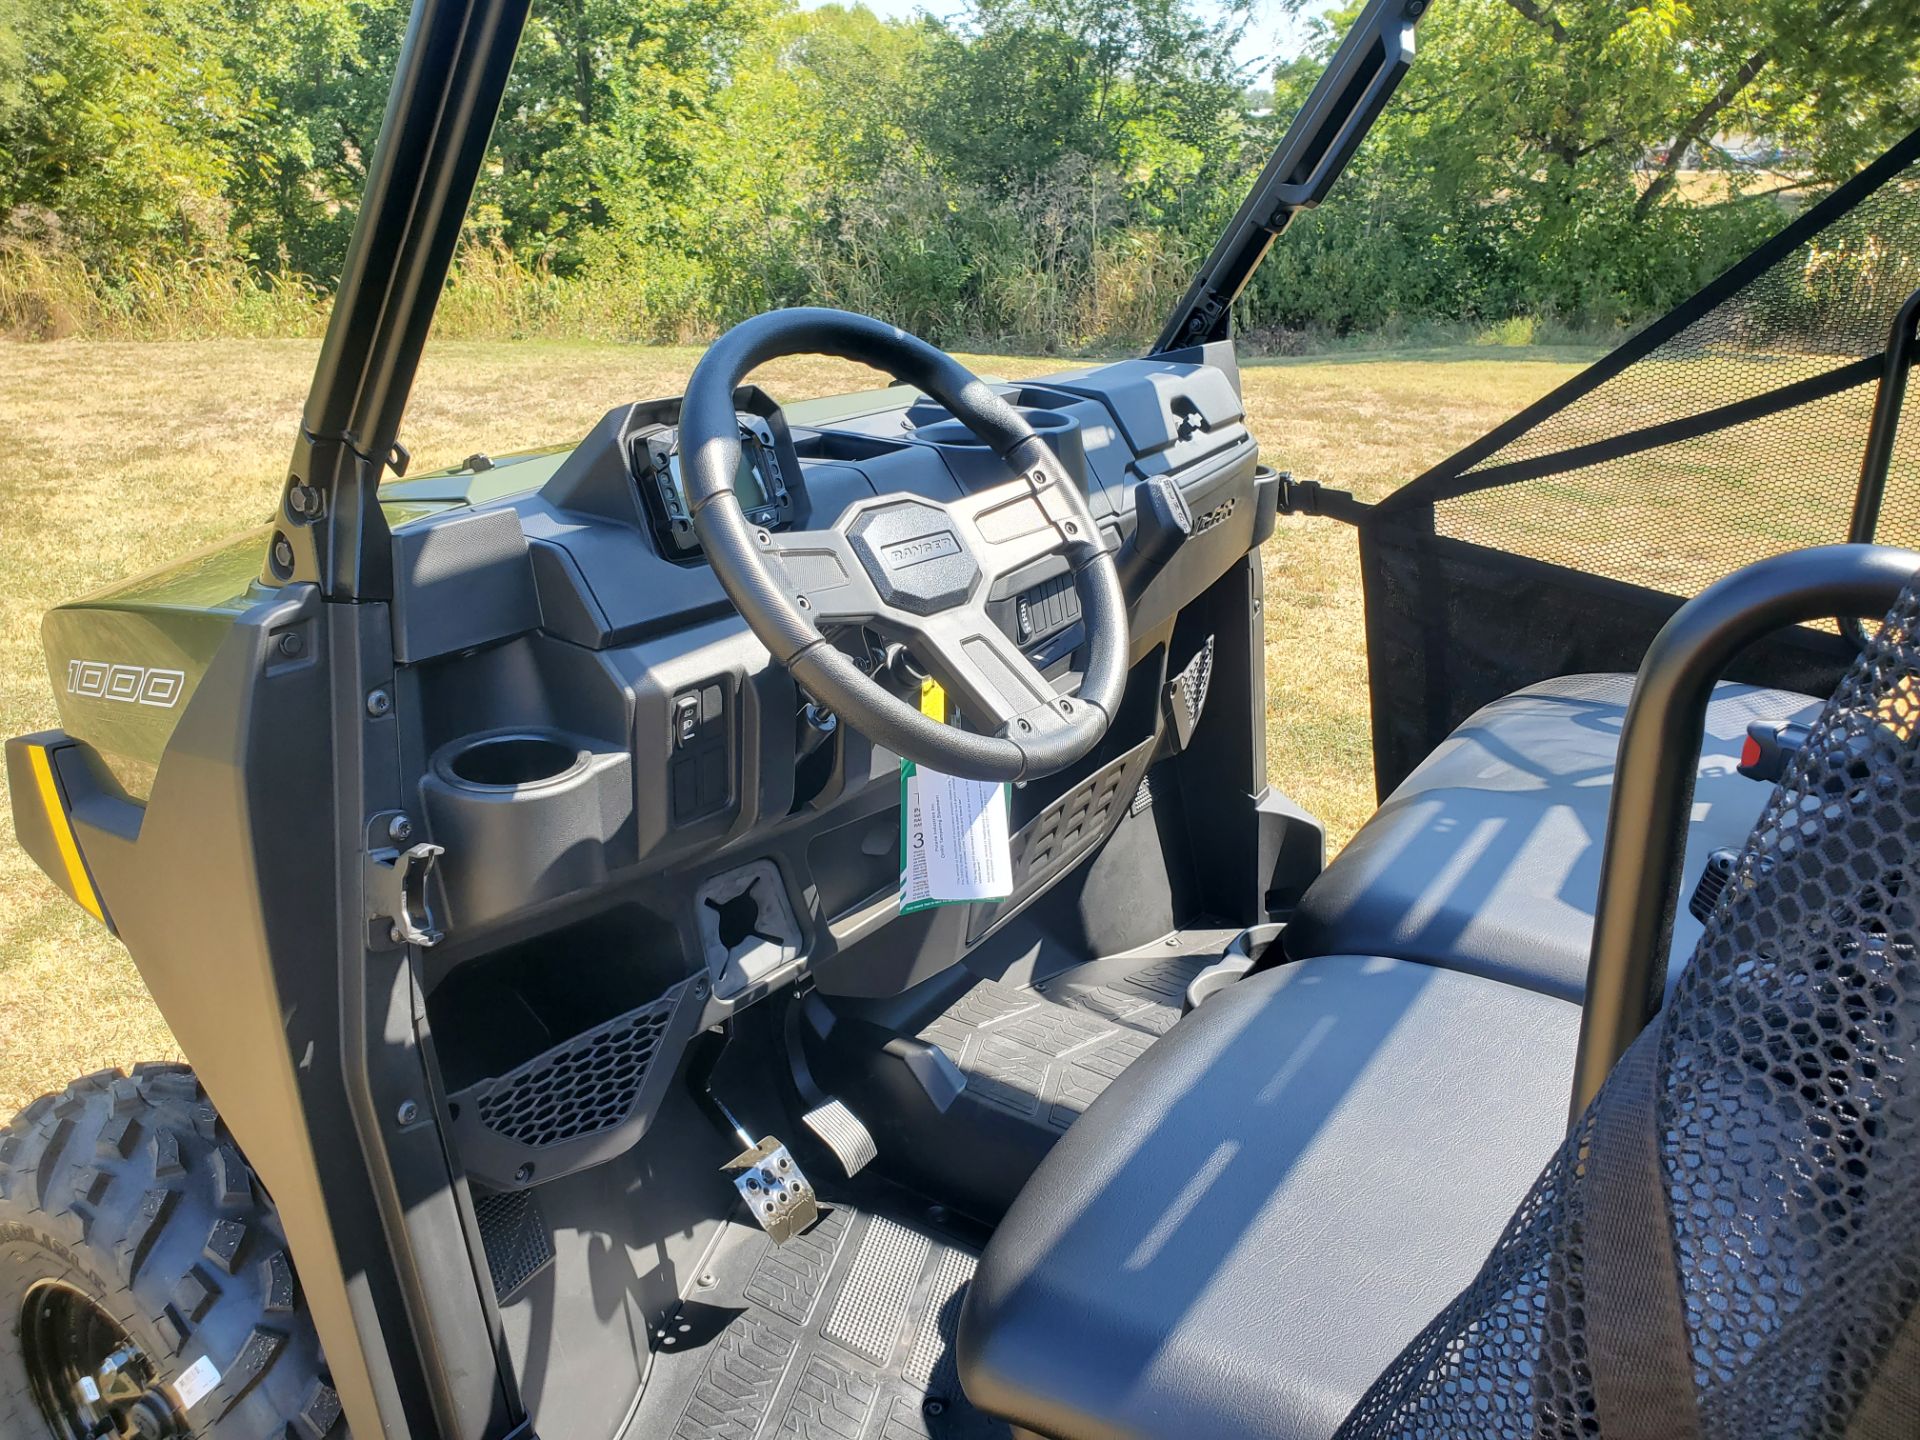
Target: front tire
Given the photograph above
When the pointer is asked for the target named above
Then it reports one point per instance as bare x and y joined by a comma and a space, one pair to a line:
129, 1219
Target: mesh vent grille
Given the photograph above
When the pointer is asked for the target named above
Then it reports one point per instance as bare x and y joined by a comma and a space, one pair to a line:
1787, 1083
1065, 831
1190, 685
587, 1085
514, 1234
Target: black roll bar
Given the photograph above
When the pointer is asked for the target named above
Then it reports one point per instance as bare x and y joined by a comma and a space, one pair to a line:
1881, 433
440, 113
1659, 755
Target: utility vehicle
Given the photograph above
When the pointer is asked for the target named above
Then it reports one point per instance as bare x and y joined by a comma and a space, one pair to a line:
517, 853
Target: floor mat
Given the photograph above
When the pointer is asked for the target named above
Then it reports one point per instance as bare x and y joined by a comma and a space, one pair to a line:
1043, 1054
843, 1333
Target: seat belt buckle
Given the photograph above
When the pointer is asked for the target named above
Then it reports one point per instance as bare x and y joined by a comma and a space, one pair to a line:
1769, 747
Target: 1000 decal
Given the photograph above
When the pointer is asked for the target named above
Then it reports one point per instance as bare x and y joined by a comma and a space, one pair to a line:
133, 684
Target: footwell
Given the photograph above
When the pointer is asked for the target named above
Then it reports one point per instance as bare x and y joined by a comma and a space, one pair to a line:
846, 1333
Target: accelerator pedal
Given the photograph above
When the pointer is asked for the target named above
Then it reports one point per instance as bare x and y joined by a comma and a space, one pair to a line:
840, 1130
777, 1193
827, 1116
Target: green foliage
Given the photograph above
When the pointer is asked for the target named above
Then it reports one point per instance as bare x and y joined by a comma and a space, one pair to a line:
1558, 157
1047, 171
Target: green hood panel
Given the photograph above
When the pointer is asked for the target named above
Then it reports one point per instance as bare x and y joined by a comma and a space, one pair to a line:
124, 662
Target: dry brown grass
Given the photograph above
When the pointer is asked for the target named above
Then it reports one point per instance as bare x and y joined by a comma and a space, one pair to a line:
120, 455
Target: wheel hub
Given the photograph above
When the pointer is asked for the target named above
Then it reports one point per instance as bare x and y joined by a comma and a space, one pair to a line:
89, 1379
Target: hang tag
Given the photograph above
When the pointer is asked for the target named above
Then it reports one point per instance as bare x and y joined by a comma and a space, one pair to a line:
954, 844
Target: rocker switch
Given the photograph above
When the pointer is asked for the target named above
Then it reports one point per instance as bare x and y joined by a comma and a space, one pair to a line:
698, 763
686, 720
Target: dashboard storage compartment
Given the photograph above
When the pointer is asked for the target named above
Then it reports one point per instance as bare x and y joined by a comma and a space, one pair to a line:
580, 1102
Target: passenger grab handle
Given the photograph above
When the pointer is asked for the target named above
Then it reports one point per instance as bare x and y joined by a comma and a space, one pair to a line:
1659, 754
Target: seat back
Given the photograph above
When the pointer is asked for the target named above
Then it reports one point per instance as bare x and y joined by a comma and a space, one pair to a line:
1728, 1242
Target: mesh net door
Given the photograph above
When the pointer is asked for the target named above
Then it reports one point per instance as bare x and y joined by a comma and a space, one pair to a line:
1732, 429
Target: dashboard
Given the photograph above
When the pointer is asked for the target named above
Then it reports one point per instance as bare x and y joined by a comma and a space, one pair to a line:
591, 724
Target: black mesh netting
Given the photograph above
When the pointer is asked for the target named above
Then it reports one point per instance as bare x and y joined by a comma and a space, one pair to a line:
1785, 1080
1733, 428
1679, 514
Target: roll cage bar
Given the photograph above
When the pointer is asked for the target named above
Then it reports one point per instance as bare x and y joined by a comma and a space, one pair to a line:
1340, 110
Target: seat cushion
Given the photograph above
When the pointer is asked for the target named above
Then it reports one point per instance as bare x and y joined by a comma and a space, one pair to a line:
1266, 1206
1487, 857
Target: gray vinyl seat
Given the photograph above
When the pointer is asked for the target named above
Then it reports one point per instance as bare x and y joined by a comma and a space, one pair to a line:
1486, 859
1273, 1201
1264, 1208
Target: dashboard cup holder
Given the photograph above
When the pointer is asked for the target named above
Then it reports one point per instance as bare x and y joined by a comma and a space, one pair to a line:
509, 762
526, 815
955, 432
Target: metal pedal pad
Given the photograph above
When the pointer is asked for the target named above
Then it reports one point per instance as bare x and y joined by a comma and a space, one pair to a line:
777, 1193
840, 1130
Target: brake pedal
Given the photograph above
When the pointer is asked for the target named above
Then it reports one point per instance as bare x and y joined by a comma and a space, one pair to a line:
840, 1130
777, 1193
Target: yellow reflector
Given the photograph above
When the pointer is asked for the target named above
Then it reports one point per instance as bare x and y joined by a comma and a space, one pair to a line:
69, 848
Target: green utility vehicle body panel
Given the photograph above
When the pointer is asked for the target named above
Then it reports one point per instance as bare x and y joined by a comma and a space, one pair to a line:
124, 662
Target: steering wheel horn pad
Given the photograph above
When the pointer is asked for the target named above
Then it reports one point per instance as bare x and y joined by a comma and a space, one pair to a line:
914, 555
914, 569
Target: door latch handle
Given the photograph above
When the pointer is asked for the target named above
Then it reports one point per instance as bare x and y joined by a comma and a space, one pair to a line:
397, 892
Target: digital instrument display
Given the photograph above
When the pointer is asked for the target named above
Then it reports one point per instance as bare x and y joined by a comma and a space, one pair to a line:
759, 484
750, 484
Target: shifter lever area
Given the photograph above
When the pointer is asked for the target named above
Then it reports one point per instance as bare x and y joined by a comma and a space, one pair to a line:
1162, 524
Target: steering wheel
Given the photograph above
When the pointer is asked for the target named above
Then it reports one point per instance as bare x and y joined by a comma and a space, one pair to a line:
916, 570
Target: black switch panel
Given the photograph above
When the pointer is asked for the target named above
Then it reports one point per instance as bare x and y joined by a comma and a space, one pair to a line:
1049, 606
699, 775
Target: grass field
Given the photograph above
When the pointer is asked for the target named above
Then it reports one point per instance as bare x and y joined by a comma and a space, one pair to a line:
118, 456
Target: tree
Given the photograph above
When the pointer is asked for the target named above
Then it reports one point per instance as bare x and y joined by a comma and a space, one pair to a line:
113, 137
1122, 84
603, 113
1532, 160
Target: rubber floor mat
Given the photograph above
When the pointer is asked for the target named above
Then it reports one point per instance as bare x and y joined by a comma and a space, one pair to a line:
1043, 1054
843, 1333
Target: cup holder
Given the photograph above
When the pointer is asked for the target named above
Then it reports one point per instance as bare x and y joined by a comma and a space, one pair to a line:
955, 432
507, 762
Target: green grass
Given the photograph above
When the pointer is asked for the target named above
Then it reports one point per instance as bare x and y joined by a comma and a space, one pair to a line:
120, 455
